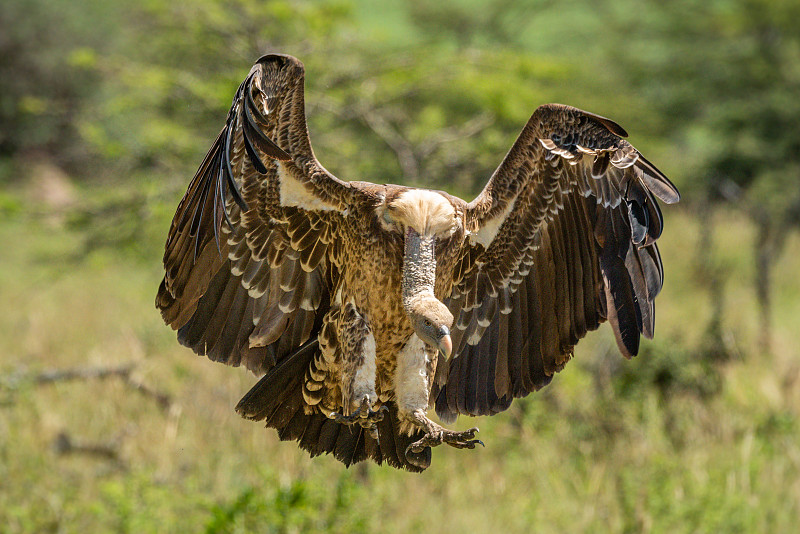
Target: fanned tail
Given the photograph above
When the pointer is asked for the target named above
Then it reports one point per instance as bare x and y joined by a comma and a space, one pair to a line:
278, 400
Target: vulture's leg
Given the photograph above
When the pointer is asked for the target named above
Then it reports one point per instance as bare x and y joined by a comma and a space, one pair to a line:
416, 367
436, 435
357, 346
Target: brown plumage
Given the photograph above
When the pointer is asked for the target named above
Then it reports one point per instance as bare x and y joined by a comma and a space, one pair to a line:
348, 297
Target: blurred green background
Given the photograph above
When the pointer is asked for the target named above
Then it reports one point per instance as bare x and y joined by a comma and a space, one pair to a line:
106, 110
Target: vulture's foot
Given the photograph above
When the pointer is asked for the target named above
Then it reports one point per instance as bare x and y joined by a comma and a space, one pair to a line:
436, 435
365, 417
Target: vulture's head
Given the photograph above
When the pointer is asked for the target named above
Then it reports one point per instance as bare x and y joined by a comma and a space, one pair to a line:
423, 217
431, 321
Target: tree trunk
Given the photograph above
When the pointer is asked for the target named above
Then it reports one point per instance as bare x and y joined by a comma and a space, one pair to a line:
710, 274
764, 251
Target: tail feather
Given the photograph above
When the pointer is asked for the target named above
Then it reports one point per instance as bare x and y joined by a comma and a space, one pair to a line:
278, 399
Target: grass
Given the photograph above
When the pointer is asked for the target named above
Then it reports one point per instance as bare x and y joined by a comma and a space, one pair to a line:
665, 443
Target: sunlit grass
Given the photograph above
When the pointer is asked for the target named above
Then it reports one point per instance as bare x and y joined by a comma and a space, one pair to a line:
594, 452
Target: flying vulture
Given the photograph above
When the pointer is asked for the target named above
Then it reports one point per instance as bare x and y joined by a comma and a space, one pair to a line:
364, 305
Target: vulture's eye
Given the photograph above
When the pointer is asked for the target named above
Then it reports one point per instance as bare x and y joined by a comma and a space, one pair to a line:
427, 323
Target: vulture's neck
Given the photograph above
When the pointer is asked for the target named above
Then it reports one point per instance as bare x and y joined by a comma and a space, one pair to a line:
419, 269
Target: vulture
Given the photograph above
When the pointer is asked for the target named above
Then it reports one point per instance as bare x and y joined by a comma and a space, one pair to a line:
362, 306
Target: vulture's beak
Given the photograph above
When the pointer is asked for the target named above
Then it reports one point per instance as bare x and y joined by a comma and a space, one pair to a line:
445, 343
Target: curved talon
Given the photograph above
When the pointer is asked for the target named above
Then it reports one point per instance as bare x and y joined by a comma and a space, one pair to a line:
380, 413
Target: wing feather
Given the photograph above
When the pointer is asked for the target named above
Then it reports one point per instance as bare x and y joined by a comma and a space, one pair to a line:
562, 238
247, 260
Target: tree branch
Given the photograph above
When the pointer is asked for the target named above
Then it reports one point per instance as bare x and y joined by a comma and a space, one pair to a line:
404, 150
65, 444
123, 372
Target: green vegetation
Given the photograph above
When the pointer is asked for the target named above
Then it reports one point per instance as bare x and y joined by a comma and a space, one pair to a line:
105, 112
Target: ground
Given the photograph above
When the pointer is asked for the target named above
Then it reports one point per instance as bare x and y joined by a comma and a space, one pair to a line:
664, 443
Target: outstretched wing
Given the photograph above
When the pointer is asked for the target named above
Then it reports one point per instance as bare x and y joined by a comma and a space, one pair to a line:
247, 265
563, 238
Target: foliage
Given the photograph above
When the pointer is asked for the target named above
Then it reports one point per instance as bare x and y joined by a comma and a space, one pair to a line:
729, 79
696, 434
47, 73
609, 446
300, 507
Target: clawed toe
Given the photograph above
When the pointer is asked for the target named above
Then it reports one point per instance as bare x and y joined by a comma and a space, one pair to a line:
365, 417
438, 436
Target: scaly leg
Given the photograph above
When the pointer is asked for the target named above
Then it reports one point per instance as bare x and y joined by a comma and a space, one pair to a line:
416, 367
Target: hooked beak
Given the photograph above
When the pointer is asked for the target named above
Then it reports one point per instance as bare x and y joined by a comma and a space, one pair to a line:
446, 344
